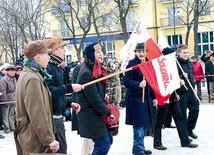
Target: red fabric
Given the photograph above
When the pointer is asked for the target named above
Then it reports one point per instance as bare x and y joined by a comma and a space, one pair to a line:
149, 73
98, 71
153, 49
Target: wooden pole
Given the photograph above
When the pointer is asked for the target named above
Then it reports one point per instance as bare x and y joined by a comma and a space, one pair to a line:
188, 81
143, 89
107, 77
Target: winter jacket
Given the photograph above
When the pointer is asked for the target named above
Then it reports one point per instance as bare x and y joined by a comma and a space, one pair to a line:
138, 114
198, 71
7, 88
209, 70
93, 107
187, 67
58, 87
33, 112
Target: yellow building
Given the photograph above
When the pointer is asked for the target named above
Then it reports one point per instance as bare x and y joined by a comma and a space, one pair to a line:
167, 17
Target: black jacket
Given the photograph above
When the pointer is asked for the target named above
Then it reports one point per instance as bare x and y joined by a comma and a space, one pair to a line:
187, 66
209, 70
93, 107
58, 87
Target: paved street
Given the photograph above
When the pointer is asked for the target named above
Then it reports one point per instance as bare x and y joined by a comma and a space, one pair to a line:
123, 141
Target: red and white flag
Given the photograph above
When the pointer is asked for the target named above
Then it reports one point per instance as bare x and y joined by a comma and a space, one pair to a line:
162, 75
139, 35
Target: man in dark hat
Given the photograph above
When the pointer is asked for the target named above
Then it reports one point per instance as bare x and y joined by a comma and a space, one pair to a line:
173, 108
92, 101
138, 114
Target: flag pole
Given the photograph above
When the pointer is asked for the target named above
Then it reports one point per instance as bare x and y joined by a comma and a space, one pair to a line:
108, 76
188, 81
143, 89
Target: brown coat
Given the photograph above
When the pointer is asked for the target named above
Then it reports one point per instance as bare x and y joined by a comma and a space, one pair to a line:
33, 112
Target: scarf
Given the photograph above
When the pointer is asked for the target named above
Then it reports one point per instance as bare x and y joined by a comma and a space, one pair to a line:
57, 60
35, 67
99, 71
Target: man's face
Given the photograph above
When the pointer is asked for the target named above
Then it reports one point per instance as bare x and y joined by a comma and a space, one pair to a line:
212, 58
184, 54
140, 54
43, 59
60, 52
11, 73
98, 55
193, 59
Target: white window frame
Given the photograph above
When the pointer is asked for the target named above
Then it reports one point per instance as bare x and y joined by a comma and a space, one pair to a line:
107, 20
172, 40
109, 48
130, 21
201, 44
84, 21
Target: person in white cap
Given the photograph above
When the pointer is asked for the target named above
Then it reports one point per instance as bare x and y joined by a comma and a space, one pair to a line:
7, 99
2, 73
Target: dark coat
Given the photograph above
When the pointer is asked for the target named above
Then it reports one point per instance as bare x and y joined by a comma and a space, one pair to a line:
74, 124
209, 70
58, 87
138, 114
91, 100
188, 68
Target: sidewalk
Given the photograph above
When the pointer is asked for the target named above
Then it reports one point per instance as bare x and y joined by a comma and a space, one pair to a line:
123, 141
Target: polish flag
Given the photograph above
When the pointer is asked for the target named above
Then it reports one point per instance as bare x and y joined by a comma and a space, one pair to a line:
162, 75
139, 35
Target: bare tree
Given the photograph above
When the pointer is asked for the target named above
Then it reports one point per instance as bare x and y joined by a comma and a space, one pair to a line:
21, 21
193, 11
123, 8
77, 17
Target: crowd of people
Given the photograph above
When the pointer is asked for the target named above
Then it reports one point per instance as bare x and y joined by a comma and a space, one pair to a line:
34, 97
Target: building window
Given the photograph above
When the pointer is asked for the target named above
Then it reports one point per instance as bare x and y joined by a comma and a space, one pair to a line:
130, 21
174, 40
205, 42
65, 32
107, 21
109, 48
84, 21
204, 8
127, 2
174, 19
82, 2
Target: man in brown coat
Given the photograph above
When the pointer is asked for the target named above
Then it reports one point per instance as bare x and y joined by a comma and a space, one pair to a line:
34, 130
